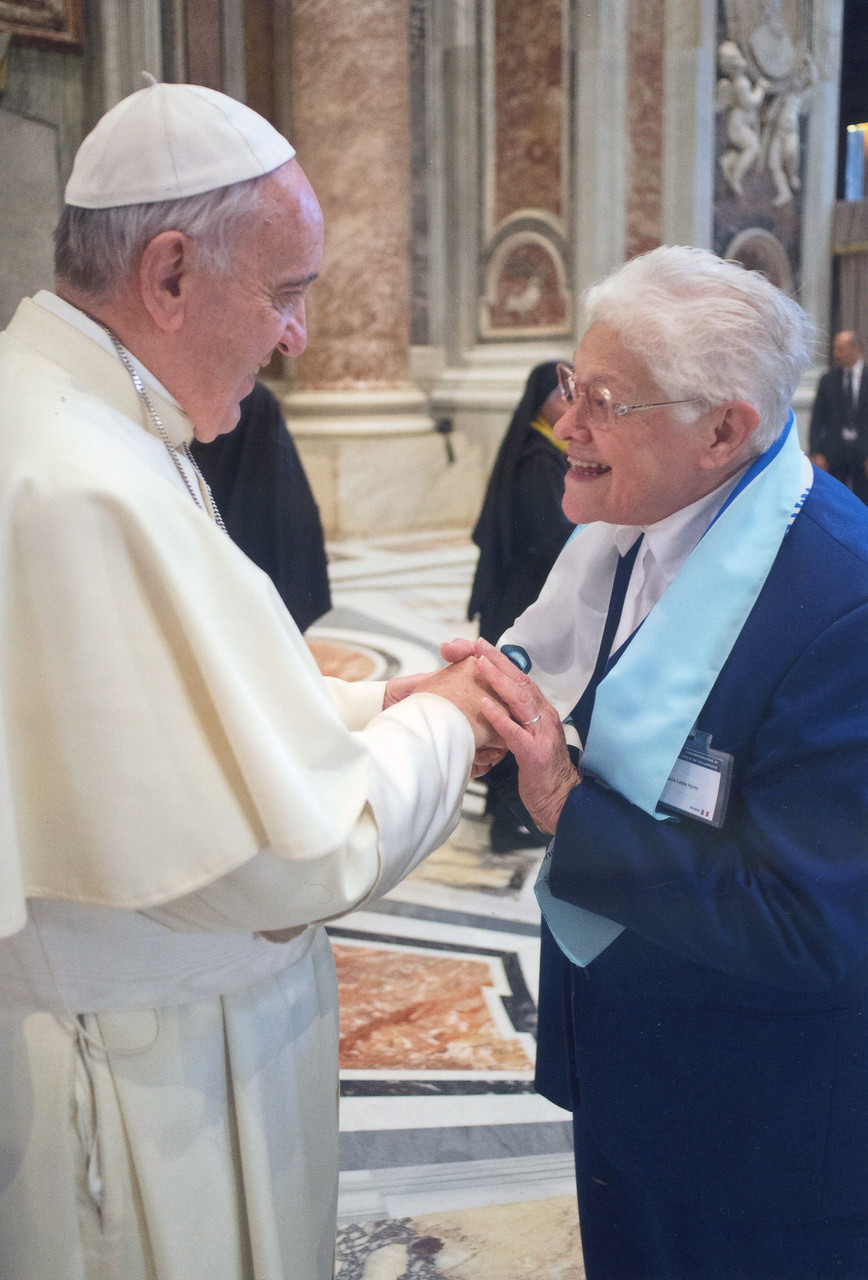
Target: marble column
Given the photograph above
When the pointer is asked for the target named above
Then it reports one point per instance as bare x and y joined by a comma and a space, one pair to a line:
645, 53
690, 73
364, 430
350, 112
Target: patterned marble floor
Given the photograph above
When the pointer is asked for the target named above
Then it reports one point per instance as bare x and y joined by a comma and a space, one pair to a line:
452, 1168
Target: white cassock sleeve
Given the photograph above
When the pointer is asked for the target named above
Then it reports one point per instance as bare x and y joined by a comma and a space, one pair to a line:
165, 734
356, 702
422, 738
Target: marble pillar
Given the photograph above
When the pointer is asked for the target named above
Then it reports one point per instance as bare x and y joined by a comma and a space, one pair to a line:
28, 162
350, 114
645, 68
365, 433
688, 122
501, 114
600, 137
526, 163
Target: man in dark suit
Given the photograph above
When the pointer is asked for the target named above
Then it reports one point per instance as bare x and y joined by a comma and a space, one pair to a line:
712, 1041
839, 420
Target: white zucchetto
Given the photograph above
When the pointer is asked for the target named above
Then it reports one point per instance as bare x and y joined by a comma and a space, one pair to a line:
169, 141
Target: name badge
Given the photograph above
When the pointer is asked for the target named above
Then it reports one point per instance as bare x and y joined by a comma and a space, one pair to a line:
700, 781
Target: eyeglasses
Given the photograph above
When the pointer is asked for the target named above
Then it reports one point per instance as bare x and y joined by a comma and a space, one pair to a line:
597, 402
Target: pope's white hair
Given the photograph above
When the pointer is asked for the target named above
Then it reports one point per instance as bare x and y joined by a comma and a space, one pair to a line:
708, 328
97, 250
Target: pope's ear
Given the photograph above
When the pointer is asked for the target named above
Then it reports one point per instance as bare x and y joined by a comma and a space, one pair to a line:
163, 273
731, 431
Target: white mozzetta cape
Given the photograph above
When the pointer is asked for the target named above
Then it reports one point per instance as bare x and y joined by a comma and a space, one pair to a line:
161, 719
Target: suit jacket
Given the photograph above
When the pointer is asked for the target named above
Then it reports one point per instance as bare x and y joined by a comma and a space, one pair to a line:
719, 1047
829, 415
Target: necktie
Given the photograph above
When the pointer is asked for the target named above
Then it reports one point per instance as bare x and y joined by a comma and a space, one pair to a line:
848, 397
581, 714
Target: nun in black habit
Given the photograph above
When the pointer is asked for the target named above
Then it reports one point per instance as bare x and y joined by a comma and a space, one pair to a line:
264, 497
521, 528
520, 533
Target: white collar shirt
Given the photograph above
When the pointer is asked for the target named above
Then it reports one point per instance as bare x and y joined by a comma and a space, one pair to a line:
665, 547
81, 320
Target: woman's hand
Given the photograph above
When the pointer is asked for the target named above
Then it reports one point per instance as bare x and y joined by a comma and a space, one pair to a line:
532, 730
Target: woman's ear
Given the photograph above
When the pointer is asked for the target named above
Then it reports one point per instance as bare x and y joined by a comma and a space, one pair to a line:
163, 273
733, 429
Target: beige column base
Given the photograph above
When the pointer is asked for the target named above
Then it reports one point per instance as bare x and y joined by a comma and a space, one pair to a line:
377, 464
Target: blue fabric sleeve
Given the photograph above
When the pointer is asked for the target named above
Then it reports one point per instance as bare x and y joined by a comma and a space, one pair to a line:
780, 893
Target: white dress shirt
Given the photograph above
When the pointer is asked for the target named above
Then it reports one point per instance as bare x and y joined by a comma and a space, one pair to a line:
856, 379
665, 547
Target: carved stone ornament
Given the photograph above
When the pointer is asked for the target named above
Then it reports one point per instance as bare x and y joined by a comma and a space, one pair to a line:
526, 293
760, 250
767, 73
740, 99
772, 36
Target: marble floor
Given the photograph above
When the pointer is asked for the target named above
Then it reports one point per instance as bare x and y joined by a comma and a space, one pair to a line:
452, 1168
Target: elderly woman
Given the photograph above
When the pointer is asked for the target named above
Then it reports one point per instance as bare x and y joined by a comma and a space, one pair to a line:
701, 645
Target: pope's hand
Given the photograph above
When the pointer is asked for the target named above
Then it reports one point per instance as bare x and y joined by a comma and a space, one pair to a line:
400, 687
461, 684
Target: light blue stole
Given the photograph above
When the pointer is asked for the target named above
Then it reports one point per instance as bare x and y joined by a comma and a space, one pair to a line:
647, 705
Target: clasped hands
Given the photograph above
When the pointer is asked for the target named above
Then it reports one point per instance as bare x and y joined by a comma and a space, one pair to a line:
507, 712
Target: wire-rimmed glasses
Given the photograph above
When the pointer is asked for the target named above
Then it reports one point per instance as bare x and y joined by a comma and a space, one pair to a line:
596, 401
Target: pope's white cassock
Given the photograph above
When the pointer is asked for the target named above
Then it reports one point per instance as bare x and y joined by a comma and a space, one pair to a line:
176, 782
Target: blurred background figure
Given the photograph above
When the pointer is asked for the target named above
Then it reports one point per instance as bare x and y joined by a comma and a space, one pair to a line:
520, 532
521, 528
261, 490
839, 419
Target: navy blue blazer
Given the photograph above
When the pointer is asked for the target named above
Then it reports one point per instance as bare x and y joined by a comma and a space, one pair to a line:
719, 1047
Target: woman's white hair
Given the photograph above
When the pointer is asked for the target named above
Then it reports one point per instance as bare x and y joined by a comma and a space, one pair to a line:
97, 249
710, 329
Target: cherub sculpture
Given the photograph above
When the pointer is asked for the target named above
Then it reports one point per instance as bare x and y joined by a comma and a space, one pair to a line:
741, 100
781, 130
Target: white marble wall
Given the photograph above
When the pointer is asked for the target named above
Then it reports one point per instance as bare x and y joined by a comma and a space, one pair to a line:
377, 466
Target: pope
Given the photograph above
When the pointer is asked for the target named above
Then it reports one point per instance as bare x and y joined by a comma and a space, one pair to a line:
183, 798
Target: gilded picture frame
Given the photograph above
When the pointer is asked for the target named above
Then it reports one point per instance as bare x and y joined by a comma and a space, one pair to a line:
48, 24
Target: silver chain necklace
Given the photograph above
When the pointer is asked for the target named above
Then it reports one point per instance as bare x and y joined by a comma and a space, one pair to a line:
161, 430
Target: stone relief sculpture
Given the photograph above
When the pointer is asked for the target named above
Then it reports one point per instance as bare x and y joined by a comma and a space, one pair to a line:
526, 291
767, 77
771, 44
741, 99
770, 59
760, 250
527, 299
782, 146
